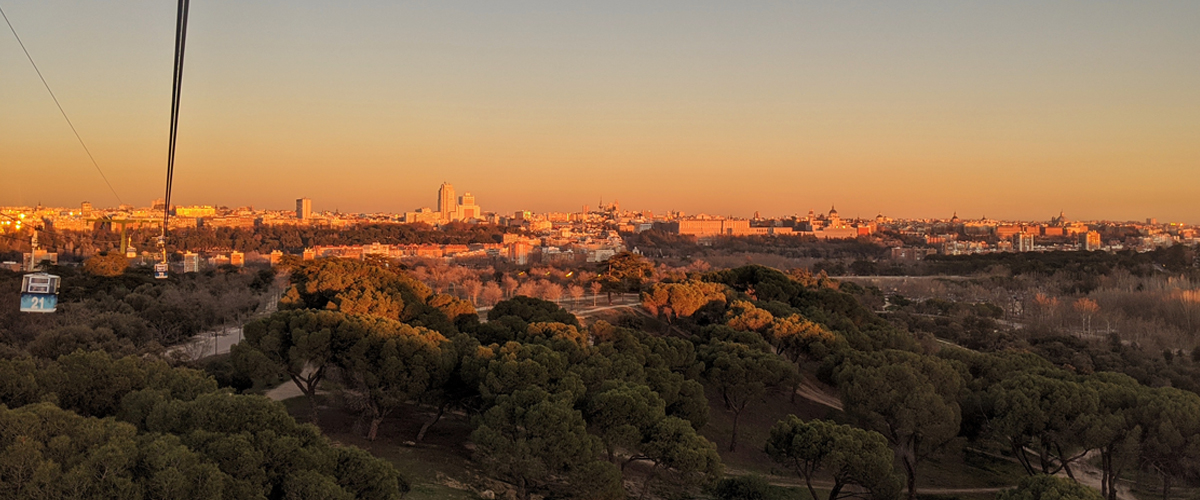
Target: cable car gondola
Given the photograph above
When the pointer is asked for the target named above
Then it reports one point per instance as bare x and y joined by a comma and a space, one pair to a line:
39, 293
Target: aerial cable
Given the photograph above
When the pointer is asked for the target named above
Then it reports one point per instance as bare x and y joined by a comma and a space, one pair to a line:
181, 19
60, 108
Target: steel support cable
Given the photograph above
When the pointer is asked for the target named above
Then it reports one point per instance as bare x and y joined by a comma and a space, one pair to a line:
181, 19
60, 108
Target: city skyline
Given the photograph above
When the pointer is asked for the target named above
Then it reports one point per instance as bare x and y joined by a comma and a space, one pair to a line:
441, 212
1013, 112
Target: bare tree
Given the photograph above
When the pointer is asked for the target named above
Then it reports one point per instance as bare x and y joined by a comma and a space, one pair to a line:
472, 287
492, 293
576, 292
596, 287
1086, 308
528, 289
551, 291
510, 285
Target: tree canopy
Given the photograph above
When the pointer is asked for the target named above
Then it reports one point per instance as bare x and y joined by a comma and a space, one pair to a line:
852, 456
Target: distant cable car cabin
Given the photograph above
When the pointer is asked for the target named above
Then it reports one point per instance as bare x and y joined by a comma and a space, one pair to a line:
39, 293
160, 271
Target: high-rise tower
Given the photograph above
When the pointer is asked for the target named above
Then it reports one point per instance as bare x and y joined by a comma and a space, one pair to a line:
447, 205
304, 209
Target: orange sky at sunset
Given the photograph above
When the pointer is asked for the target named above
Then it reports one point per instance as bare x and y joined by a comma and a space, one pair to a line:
1011, 111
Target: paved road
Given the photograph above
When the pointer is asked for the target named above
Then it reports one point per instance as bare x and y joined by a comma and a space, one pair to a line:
208, 344
219, 341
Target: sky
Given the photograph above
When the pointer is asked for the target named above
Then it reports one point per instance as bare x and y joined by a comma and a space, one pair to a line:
1014, 110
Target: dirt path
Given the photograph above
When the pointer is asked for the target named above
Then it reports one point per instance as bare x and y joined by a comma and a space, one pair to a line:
286, 390
1091, 476
1085, 473
808, 390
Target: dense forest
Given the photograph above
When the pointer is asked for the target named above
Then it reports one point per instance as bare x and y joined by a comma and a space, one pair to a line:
652, 403
104, 306
1174, 259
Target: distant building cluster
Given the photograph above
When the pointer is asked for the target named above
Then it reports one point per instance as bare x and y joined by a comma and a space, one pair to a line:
958, 237
450, 209
589, 235
823, 226
519, 251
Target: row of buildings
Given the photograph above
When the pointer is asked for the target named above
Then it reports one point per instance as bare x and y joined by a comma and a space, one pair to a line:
517, 250
823, 226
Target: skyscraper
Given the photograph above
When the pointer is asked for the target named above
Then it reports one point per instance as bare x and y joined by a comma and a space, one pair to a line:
447, 205
304, 209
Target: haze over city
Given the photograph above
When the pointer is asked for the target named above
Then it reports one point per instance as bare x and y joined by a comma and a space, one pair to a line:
1014, 110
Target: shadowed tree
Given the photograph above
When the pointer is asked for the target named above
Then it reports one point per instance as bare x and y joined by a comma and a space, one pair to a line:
264, 450
531, 437
1117, 431
851, 456
621, 414
297, 343
742, 375
388, 364
911, 399
50, 453
532, 310
1043, 487
673, 444
515, 366
1170, 434
1045, 414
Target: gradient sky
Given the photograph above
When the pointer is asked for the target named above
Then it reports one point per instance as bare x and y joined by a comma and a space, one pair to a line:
913, 109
